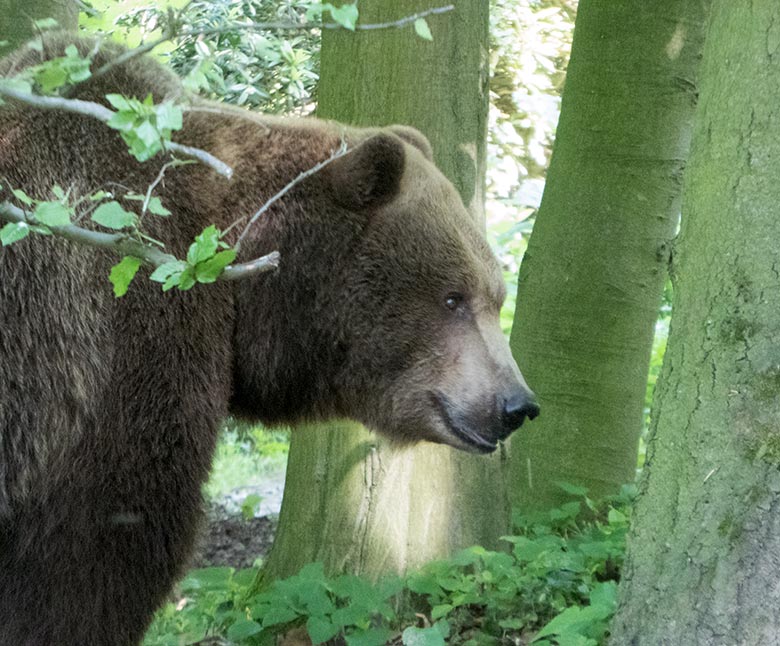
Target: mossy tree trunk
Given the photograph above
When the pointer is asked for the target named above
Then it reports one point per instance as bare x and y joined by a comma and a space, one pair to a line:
592, 278
17, 16
351, 500
704, 552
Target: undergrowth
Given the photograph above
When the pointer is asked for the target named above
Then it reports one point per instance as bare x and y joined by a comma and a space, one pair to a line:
556, 585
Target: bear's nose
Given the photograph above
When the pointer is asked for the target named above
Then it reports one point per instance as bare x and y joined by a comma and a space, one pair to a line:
517, 408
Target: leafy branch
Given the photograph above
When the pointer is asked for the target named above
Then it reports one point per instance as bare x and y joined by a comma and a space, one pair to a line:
113, 119
21, 223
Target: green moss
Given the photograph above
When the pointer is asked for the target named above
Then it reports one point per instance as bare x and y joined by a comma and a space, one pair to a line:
763, 443
765, 386
737, 329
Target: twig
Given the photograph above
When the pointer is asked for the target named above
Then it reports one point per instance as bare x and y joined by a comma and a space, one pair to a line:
125, 245
101, 113
160, 176
402, 22
339, 152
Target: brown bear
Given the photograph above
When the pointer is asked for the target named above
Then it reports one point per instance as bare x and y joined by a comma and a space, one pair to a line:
384, 309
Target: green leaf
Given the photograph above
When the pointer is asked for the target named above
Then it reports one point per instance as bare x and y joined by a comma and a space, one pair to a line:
279, 615
205, 245
616, 518
422, 29
604, 594
20, 195
122, 121
437, 612
155, 206
147, 134
17, 84
51, 77
52, 214
172, 281
187, 280
569, 488
210, 270
249, 506
210, 578
413, 636
112, 216
123, 273
575, 620
242, 629
321, 629
346, 15
165, 271
371, 637
46, 23
169, 116
512, 623
119, 102
13, 232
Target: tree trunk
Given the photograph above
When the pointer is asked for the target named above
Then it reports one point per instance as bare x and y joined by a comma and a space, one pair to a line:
704, 553
591, 281
17, 16
351, 500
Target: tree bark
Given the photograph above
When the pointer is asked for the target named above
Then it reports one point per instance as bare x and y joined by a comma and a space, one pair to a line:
17, 16
704, 552
351, 500
591, 280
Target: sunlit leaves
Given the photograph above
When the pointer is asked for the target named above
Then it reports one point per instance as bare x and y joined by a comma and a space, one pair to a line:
113, 216
65, 70
422, 29
144, 126
123, 273
346, 15
555, 586
53, 214
207, 258
13, 232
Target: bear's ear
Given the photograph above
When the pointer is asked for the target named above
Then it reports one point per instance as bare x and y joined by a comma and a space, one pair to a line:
369, 175
415, 138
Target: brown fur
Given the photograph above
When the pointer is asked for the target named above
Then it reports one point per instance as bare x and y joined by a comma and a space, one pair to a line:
109, 408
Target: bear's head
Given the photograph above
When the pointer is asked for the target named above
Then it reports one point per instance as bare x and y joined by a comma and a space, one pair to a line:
385, 308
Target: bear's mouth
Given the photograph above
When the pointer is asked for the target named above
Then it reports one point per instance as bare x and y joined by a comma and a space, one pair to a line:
452, 418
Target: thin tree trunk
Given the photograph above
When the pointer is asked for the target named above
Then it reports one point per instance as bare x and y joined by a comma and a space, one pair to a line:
17, 18
591, 281
704, 554
350, 500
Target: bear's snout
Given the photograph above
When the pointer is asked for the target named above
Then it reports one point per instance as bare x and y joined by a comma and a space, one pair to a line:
515, 409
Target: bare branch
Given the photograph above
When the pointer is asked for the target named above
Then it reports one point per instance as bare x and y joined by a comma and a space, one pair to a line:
339, 152
102, 113
125, 245
251, 268
402, 22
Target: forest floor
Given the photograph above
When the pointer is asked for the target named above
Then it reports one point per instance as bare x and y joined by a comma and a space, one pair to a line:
231, 537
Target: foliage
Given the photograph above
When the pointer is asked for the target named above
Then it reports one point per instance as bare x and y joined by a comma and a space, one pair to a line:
557, 585
273, 71
530, 44
245, 457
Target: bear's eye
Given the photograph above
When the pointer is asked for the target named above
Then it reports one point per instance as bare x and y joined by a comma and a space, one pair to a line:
453, 300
